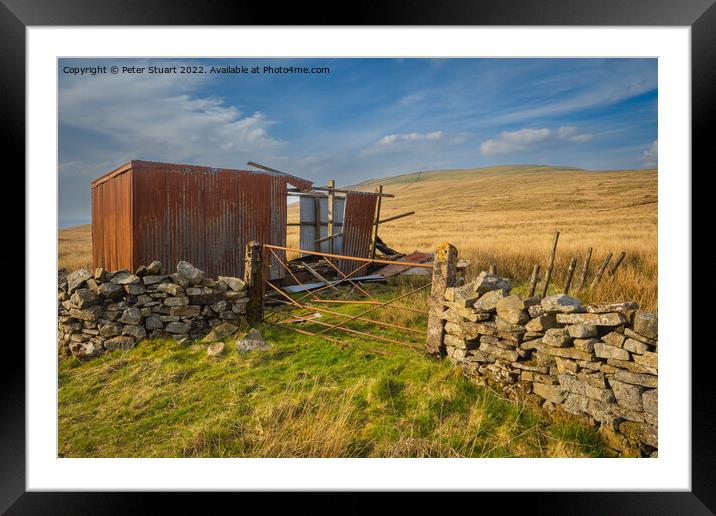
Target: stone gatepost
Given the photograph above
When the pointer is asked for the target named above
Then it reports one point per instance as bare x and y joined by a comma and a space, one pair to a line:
253, 278
444, 273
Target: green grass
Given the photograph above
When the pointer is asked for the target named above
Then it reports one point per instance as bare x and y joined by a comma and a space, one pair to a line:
304, 397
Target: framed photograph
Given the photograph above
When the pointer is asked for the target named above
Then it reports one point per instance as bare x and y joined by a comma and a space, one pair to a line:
423, 253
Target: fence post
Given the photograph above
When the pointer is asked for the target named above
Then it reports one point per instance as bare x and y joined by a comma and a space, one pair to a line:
570, 274
602, 268
585, 270
253, 277
550, 267
533, 280
444, 274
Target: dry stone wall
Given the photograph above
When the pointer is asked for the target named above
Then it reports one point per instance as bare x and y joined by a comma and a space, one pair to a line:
106, 311
598, 361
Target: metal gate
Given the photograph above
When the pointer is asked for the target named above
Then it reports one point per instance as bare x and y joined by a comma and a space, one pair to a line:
340, 323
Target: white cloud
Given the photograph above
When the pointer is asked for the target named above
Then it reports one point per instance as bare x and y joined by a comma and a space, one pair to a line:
163, 117
650, 156
392, 139
393, 143
514, 141
511, 141
571, 133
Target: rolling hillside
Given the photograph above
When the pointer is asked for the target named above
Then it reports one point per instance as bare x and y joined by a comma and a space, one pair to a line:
507, 215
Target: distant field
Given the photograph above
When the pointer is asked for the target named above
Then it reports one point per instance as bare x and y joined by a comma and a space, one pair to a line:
507, 216
75, 247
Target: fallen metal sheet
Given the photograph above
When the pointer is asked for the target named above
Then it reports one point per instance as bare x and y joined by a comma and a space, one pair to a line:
416, 271
414, 257
292, 289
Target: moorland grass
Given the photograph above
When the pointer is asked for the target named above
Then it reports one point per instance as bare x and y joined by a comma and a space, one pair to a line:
304, 397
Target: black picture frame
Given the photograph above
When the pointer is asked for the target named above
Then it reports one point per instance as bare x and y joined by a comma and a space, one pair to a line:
700, 15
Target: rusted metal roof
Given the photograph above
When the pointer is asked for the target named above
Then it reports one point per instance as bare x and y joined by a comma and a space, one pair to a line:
146, 211
358, 221
414, 257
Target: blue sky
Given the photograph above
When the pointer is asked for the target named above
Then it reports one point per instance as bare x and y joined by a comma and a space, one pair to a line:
366, 118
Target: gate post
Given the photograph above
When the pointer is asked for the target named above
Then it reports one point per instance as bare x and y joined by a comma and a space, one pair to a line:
444, 272
253, 278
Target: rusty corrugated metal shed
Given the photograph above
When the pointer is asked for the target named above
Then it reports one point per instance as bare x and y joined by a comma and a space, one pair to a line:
146, 211
358, 221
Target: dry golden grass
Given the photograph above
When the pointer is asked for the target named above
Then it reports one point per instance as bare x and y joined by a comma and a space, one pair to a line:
75, 247
508, 216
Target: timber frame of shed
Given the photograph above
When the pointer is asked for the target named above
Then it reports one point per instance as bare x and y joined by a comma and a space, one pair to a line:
145, 211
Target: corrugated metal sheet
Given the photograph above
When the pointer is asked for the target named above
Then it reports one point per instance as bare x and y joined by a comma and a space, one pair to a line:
357, 227
200, 214
307, 233
414, 257
112, 223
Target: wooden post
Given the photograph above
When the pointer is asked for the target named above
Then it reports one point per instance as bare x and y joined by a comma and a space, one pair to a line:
331, 197
602, 268
550, 267
444, 273
617, 263
533, 280
585, 269
376, 223
253, 277
570, 273
317, 222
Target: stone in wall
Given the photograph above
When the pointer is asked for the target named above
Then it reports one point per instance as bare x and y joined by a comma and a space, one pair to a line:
597, 361
107, 311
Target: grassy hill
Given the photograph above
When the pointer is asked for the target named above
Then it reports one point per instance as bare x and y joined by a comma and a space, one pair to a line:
507, 215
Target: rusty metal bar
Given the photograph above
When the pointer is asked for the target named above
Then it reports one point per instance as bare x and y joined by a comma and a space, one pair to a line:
319, 277
414, 346
345, 277
340, 326
339, 190
348, 301
354, 258
290, 271
342, 344
379, 323
302, 184
396, 217
329, 237
380, 306
335, 282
